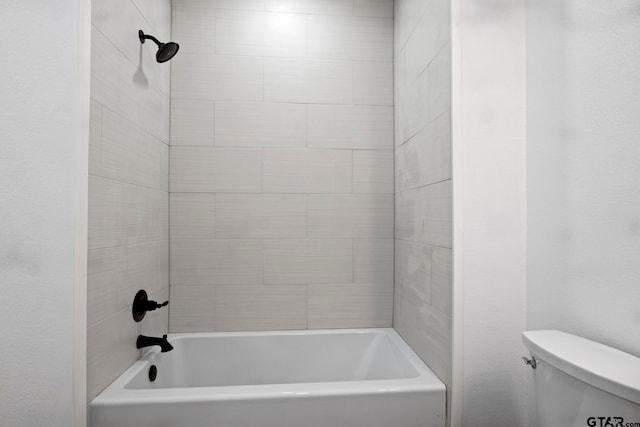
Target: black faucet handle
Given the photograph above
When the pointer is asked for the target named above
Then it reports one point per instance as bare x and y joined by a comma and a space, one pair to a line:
153, 305
142, 304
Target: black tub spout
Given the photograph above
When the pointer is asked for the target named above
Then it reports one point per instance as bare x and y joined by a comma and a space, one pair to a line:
144, 341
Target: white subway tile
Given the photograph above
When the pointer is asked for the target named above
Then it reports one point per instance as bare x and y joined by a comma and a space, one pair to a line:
425, 215
373, 83
143, 100
158, 14
428, 96
95, 137
192, 215
210, 170
407, 13
213, 77
428, 38
192, 309
192, 122
415, 104
410, 214
260, 33
439, 83
350, 37
351, 215
220, 4
350, 126
379, 8
373, 261
428, 332
194, 29
239, 78
261, 216
111, 349
193, 76
121, 214
307, 171
256, 308
413, 269
439, 230
260, 124
307, 81
373, 171
115, 275
442, 280
425, 158
215, 262
308, 261
119, 22
399, 98
397, 304
130, 155
104, 71
350, 306
323, 7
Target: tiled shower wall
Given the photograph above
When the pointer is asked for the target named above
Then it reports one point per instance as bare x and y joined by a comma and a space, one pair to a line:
423, 223
281, 164
128, 182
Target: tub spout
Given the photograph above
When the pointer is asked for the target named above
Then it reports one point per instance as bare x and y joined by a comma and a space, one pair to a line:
144, 341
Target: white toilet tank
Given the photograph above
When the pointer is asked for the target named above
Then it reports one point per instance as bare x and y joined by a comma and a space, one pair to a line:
581, 383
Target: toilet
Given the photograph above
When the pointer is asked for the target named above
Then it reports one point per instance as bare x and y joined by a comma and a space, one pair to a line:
581, 383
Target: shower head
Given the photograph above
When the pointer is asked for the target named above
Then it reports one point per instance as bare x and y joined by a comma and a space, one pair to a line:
166, 51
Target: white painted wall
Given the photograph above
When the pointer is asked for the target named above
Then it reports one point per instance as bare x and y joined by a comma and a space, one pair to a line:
44, 134
490, 205
583, 162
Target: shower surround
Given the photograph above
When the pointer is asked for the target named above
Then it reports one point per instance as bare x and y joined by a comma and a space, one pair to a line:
265, 161
423, 216
128, 183
281, 165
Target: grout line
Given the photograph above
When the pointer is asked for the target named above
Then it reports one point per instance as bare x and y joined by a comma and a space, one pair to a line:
160, 190
422, 243
253, 101
423, 186
104, 248
169, 309
430, 122
135, 125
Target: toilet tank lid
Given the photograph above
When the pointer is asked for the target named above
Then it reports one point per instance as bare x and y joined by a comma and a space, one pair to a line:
596, 364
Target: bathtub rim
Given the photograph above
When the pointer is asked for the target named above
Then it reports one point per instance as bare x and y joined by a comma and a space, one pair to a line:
426, 380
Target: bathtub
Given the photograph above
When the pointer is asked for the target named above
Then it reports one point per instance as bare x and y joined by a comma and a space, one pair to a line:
327, 378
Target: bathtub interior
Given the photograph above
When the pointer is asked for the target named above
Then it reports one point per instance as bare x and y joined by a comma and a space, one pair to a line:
257, 359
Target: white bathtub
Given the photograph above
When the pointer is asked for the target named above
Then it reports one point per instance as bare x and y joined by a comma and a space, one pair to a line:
329, 378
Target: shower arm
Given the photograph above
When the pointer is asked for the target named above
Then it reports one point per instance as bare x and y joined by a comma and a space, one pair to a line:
142, 36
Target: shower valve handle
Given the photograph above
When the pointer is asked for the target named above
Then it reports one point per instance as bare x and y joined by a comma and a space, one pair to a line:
152, 305
142, 304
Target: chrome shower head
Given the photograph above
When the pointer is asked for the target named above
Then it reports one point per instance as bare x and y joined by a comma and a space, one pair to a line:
166, 51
